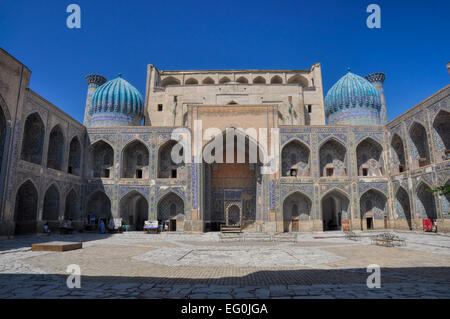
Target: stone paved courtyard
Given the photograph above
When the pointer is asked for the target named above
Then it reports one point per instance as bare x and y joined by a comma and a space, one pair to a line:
138, 265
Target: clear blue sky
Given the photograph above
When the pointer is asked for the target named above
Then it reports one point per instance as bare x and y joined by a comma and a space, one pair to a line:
412, 46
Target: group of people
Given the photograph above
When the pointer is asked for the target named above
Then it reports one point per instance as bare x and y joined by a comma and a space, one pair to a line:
93, 222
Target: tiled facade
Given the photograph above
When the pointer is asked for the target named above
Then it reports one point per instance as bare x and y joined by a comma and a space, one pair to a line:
330, 177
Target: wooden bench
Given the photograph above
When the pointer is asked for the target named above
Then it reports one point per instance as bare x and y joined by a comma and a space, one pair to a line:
230, 229
257, 237
285, 237
388, 240
351, 236
231, 236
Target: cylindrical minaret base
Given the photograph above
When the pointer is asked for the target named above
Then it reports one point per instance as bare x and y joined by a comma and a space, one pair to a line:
94, 81
377, 79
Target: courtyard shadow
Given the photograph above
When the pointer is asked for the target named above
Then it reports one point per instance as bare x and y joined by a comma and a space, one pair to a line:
323, 281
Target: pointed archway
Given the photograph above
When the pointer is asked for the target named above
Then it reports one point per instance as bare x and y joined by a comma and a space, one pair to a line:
373, 209
369, 158
398, 159
335, 207
135, 159
333, 159
134, 210
296, 212
171, 212
98, 205
71, 210
33, 139
74, 166
403, 208
295, 159
55, 154
25, 212
101, 159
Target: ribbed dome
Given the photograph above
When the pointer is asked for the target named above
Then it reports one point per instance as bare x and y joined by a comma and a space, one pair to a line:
116, 103
353, 100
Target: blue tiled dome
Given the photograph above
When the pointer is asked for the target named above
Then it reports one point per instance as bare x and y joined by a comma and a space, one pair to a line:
353, 100
116, 103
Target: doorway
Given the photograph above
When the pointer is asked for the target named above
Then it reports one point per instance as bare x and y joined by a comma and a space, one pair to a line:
369, 222
173, 225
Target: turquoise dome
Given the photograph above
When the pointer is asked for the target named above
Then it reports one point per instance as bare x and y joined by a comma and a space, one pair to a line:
116, 103
353, 100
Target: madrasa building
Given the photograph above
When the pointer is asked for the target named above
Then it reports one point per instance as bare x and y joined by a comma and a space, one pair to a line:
342, 165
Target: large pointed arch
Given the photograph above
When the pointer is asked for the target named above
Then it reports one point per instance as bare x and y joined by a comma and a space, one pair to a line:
135, 160
71, 208
333, 158
26, 206
398, 158
171, 211
56, 144
98, 204
134, 209
295, 159
441, 132
51, 206
425, 201
101, 159
373, 208
335, 206
420, 151
369, 157
166, 167
296, 208
402, 206
74, 165
33, 139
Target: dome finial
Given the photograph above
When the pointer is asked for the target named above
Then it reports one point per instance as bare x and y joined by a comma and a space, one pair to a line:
349, 69
120, 75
